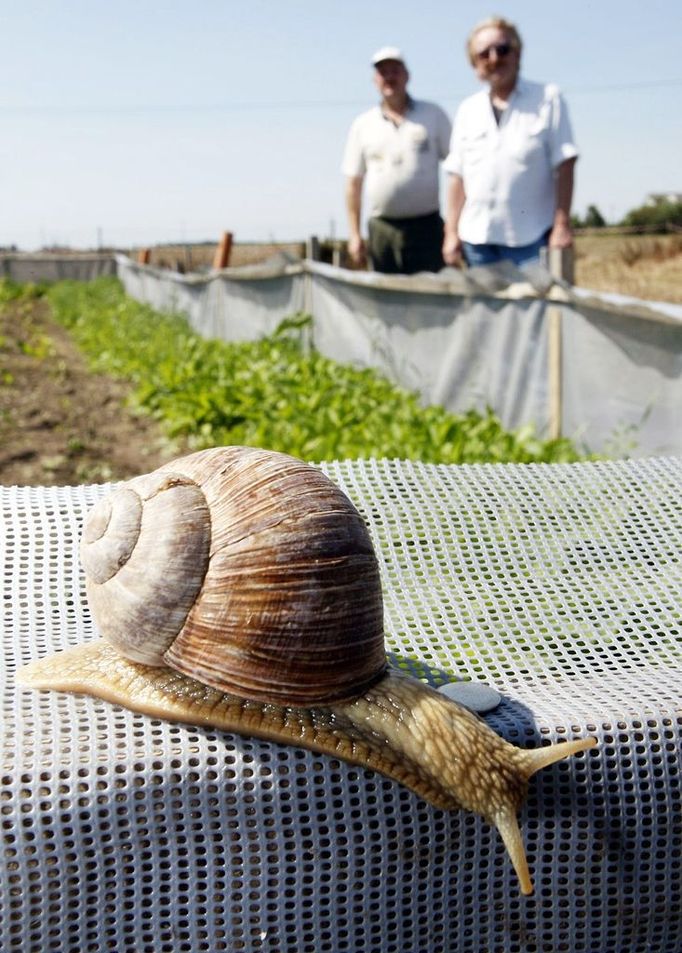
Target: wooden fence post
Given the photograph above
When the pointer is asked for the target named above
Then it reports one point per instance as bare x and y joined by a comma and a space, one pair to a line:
223, 251
561, 266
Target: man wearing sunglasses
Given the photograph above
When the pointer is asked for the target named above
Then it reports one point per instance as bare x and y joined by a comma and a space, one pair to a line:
394, 151
511, 160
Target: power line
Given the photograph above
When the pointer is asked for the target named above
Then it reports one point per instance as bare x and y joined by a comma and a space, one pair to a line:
615, 87
288, 104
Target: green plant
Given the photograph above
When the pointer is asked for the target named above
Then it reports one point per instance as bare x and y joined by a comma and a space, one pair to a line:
38, 346
659, 215
13, 291
277, 392
594, 218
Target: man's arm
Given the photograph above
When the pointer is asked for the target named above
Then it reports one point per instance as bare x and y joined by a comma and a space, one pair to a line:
356, 246
561, 235
452, 245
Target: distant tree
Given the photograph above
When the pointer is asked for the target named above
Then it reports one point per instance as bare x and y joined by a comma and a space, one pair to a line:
659, 215
593, 218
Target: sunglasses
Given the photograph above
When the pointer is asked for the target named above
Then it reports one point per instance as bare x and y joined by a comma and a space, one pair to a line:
502, 50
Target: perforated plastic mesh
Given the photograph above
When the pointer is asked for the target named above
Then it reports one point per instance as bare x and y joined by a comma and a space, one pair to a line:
559, 585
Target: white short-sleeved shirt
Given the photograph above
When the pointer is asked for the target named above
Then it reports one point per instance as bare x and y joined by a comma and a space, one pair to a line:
508, 170
399, 162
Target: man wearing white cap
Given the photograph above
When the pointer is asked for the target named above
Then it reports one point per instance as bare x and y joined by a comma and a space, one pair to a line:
394, 151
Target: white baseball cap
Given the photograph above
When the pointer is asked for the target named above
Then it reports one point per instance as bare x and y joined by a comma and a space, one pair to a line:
388, 53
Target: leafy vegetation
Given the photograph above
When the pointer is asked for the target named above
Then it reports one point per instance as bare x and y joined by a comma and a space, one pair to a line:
593, 219
661, 215
658, 215
278, 392
15, 291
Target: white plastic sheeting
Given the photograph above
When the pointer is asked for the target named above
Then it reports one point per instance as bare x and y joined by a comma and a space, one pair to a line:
622, 375
460, 352
241, 304
52, 267
464, 340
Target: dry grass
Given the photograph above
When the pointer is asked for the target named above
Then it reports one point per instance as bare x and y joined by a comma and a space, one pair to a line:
644, 266
188, 258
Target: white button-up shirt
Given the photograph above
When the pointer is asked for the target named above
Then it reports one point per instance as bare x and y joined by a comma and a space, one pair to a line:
400, 162
508, 170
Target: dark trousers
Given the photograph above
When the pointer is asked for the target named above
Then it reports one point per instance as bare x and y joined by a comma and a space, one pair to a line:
406, 245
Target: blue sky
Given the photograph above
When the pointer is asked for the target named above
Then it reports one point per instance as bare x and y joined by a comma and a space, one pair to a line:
134, 123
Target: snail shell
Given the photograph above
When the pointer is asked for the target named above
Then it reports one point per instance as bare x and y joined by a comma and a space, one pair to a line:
244, 569
238, 588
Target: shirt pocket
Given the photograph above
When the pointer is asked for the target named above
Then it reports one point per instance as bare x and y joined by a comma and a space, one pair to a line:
530, 148
419, 139
474, 146
531, 140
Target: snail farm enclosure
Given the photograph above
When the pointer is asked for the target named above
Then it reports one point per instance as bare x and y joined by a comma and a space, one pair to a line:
602, 369
557, 584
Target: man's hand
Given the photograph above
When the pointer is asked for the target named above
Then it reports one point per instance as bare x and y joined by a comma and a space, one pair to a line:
452, 244
357, 251
561, 235
356, 246
452, 251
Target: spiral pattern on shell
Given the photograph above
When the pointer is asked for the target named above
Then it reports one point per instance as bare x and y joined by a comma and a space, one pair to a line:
246, 569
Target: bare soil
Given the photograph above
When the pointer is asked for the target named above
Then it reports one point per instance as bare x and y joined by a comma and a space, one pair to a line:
59, 423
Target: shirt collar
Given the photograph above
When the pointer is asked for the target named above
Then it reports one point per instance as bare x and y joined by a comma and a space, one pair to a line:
409, 106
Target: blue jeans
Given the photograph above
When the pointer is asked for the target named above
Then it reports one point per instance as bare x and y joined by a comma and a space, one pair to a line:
520, 254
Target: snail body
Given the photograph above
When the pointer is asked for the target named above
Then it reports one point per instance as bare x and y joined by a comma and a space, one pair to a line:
238, 588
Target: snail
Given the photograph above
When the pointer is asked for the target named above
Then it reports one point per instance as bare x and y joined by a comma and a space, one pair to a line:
238, 588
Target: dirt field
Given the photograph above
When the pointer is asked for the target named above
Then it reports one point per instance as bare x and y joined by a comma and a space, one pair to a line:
59, 424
